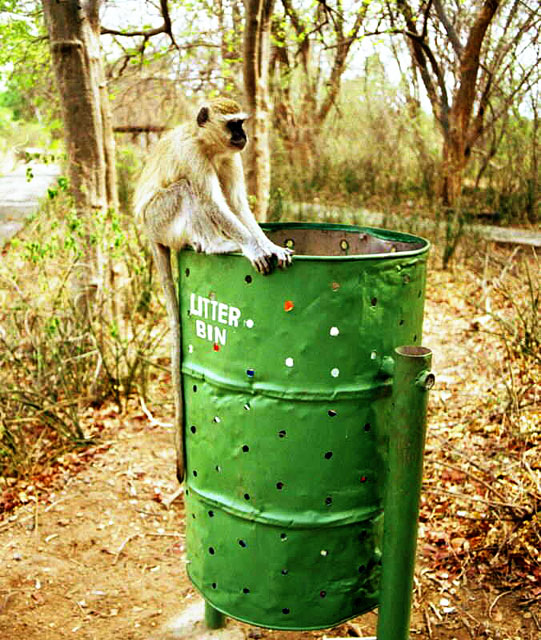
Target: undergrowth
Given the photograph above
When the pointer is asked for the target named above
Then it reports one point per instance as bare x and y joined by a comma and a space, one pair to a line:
57, 358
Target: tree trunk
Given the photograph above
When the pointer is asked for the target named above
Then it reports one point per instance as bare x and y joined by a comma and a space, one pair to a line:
453, 165
256, 67
73, 27
460, 127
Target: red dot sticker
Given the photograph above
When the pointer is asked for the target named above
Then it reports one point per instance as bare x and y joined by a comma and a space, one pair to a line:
216, 347
288, 305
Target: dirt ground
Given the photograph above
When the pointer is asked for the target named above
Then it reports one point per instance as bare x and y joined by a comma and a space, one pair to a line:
102, 556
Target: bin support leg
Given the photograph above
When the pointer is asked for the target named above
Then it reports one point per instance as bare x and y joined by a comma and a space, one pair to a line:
412, 379
214, 619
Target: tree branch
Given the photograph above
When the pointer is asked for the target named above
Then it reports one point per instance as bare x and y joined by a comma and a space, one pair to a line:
469, 67
421, 53
166, 27
453, 37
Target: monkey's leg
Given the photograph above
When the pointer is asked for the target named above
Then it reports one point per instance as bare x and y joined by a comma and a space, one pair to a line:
223, 246
162, 257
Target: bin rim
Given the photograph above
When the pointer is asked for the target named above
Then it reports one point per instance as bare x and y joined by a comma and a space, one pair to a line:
378, 232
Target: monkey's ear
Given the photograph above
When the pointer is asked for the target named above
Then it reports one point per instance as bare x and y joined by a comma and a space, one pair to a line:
202, 116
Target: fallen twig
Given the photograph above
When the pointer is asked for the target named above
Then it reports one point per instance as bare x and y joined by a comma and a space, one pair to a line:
121, 548
501, 595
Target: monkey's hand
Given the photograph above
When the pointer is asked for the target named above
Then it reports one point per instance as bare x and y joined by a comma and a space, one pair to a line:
261, 258
282, 255
264, 257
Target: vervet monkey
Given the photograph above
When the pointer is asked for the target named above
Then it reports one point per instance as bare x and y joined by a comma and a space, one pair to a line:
192, 192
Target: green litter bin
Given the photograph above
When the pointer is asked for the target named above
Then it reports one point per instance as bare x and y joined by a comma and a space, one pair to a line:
305, 403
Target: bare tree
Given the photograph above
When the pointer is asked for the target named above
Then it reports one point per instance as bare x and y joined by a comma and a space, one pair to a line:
472, 60
318, 53
257, 30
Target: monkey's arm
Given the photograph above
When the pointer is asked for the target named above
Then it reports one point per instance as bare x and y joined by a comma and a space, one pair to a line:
213, 220
235, 189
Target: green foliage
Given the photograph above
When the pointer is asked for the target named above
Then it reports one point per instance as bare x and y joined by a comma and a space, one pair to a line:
58, 355
25, 69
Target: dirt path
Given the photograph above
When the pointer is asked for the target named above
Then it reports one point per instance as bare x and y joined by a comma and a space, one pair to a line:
102, 557
20, 192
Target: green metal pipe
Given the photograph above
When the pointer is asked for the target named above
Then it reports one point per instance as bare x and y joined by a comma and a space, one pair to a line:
214, 619
406, 433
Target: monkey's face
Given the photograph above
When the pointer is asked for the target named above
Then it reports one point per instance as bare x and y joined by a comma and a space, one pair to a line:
237, 137
221, 127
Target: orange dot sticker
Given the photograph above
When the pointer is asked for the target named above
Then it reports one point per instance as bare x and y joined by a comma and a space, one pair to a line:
216, 347
288, 305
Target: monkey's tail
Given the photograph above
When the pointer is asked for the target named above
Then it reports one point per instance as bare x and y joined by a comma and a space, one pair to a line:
162, 257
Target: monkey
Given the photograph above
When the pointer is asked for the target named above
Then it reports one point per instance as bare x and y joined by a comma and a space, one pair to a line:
191, 192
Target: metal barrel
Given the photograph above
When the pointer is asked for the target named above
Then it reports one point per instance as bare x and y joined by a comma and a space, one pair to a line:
288, 384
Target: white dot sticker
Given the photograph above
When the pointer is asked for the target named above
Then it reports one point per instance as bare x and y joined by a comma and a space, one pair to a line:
324, 552
217, 419
289, 362
190, 348
249, 323
334, 331
374, 355
335, 372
